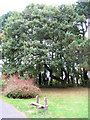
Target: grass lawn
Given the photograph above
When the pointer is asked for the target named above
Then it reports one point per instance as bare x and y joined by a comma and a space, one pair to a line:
62, 103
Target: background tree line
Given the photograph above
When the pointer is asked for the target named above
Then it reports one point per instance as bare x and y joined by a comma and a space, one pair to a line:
47, 43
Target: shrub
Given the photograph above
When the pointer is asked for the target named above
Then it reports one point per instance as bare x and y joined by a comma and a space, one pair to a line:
18, 91
71, 85
18, 88
3, 84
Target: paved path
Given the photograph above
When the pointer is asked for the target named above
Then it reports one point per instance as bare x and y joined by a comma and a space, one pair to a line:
8, 111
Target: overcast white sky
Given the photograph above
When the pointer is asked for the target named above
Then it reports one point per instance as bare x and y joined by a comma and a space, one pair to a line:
19, 5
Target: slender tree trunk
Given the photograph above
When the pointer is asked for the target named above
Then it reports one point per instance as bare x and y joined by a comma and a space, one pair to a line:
47, 81
51, 79
72, 80
51, 70
40, 78
85, 77
77, 81
44, 77
84, 71
62, 73
68, 78
63, 82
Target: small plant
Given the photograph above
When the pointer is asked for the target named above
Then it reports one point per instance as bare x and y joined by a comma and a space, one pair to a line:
3, 84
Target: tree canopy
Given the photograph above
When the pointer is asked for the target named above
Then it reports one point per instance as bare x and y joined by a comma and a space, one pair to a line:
45, 38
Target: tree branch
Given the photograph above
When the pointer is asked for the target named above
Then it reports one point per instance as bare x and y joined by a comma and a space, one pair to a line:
55, 77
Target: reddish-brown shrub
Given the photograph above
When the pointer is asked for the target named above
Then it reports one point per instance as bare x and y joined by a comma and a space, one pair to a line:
18, 88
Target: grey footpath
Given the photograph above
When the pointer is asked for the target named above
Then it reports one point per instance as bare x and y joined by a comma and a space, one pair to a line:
8, 111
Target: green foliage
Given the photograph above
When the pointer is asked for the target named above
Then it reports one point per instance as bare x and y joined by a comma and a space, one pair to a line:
82, 8
3, 20
3, 84
45, 38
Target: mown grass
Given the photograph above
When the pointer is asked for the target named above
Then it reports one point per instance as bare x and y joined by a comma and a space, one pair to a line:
62, 103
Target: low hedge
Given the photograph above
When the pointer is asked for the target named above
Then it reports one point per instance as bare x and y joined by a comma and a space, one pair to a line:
18, 88
18, 91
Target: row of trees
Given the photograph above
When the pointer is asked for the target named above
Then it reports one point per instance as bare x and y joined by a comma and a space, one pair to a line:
47, 43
